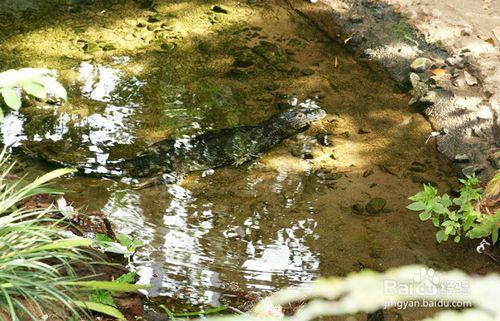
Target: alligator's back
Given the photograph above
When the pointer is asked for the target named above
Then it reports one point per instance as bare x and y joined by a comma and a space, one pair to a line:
212, 149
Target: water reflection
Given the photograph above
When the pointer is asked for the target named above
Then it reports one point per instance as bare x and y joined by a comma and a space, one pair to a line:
201, 244
103, 116
12, 129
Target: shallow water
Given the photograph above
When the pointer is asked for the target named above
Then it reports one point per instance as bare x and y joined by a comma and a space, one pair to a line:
272, 222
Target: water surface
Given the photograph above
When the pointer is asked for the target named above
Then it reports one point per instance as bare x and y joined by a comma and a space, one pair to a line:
137, 74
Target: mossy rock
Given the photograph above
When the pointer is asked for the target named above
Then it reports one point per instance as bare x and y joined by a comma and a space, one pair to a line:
375, 206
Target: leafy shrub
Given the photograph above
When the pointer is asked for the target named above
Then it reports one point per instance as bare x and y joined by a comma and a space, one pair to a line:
37, 258
458, 216
37, 82
365, 291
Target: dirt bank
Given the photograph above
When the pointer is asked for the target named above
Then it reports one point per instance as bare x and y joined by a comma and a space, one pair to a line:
457, 90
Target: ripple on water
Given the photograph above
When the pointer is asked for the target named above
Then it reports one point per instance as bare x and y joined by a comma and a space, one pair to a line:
192, 252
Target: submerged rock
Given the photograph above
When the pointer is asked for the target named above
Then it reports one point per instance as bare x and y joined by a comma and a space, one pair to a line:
417, 167
219, 9
324, 139
108, 47
461, 158
167, 46
375, 206
91, 47
472, 170
420, 64
307, 72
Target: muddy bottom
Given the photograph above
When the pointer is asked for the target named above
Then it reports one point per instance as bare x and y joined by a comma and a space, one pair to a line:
138, 72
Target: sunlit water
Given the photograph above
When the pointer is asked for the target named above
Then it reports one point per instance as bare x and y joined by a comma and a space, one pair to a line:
285, 218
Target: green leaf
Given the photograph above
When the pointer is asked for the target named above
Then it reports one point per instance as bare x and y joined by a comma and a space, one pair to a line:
494, 235
35, 89
11, 98
107, 285
1, 115
448, 229
446, 201
54, 174
57, 245
439, 208
457, 239
103, 297
124, 240
424, 216
417, 206
127, 278
441, 236
101, 308
103, 238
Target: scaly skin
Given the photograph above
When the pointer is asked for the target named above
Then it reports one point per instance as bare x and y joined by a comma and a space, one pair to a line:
210, 150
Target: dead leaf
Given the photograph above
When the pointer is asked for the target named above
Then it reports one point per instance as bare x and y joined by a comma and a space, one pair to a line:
496, 33
487, 39
490, 41
336, 62
439, 72
469, 79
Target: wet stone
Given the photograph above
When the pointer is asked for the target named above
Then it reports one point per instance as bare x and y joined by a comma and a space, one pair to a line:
108, 47
219, 9
265, 98
417, 167
282, 106
283, 67
461, 158
91, 47
243, 63
414, 80
167, 46
431, 97
420, 64
155, 18
358, 209
235, 72
375, 206
455, 61
417, 179
307, 72
324, 139
272, 86
356, 19
368, 172
307, 155
472, 170
327, 175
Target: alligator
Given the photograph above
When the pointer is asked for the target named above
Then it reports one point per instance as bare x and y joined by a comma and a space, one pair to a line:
209, 150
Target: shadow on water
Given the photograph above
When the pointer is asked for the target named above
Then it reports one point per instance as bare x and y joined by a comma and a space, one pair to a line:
136, 76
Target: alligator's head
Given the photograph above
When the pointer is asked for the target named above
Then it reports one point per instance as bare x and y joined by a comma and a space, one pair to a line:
301, 116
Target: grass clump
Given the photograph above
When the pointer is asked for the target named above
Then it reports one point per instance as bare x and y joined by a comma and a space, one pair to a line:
38, 259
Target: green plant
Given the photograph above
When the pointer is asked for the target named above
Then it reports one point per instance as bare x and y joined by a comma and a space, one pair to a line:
456, 216
38, 82
367, 291
125, 245
36, 259
105, 297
